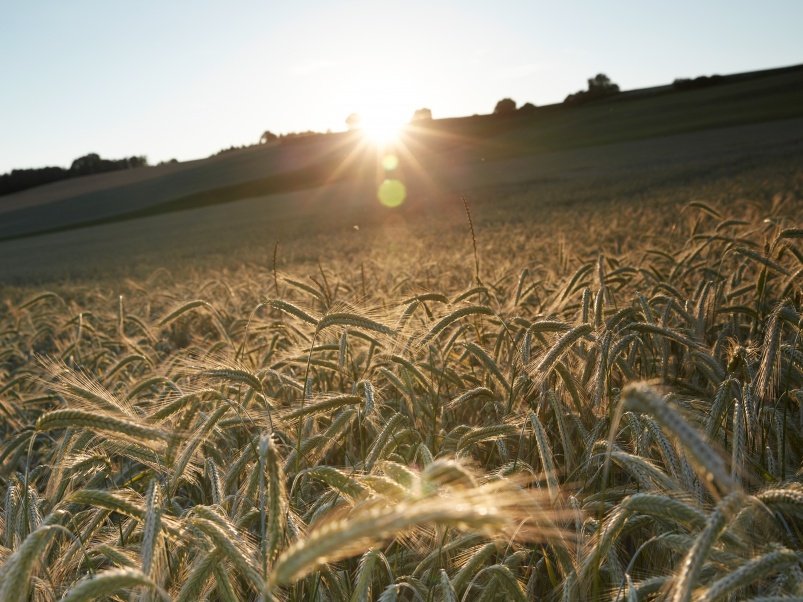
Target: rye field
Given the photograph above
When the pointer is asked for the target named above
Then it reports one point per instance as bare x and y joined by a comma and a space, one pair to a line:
579, 387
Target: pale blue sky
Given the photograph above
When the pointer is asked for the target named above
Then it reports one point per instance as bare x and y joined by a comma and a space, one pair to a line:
184, 79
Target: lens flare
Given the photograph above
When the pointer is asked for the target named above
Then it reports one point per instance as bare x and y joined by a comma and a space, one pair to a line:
390, 162
391, 193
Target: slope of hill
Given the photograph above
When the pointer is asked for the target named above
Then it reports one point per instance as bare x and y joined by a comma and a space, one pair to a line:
439, 155
74, 202
723, 164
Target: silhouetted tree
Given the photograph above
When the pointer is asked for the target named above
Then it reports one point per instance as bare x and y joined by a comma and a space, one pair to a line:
267, 137
136, 162
703, 81
87, 164
22, 179
422, 115
527, 107
599, 86
92, 163
506, 105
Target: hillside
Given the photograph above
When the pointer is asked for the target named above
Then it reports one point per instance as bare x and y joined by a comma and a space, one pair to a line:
440, 152
269, 192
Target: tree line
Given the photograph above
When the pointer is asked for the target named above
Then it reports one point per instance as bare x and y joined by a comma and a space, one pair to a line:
601, 86
22, 179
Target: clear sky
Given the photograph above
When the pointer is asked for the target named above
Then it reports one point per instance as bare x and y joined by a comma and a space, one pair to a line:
185, 79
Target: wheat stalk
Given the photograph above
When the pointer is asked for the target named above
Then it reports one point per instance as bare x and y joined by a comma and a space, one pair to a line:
110, 581
693, 562
642, 398
776, 560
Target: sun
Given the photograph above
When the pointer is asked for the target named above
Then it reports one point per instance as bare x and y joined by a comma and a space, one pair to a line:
382, 127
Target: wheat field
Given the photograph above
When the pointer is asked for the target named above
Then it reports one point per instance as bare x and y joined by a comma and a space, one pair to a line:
615, 414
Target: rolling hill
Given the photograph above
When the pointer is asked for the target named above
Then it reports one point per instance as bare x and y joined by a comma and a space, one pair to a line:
651, 136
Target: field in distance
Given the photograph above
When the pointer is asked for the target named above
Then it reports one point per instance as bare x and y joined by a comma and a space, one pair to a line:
519, 192
435, 156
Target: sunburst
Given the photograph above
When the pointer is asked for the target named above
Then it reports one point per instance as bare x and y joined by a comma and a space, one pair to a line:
381, 127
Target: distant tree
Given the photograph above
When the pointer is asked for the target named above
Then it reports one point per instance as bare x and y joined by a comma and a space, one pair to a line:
267, 137
527, 107
87, 164
231, 149
92, 163
22, 179
599, 86
136, 162
506, 105
703, 81
299, 137
354, 121
422, 115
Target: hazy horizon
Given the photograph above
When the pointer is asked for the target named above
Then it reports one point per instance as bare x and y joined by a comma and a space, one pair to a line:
188, 79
